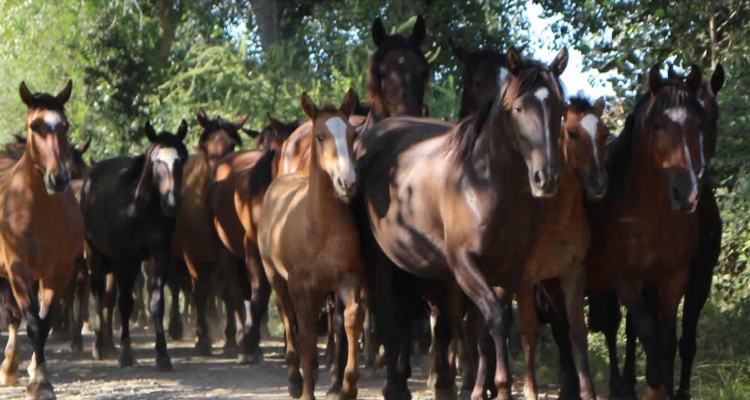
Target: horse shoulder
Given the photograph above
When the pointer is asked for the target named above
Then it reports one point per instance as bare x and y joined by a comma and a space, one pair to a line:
283, 225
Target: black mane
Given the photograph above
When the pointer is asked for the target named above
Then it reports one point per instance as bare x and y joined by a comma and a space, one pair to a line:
220, 124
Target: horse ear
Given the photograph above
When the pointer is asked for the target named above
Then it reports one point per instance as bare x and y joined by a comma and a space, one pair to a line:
150, 132
694, 79
64, 95
717, 79
202, 118
560, 62
308, 106
513, 57
461, 53
599, 106
26, 95
252, 133
378, 32
655, 81
522, 48
182, 130
92, 161
240, 122
85, 146
349, 104
419, 30
277, 125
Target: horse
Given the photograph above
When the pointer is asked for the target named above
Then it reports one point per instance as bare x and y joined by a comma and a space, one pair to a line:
194, 240
645, 231
41, 231
476, 186
129, 205
240, 182
309, 246
606, 315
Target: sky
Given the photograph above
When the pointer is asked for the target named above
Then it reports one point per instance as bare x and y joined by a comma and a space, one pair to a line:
575, 81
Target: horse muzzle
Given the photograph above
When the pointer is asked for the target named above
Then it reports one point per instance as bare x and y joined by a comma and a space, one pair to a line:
170, 204
596, 185
684, 199
57, 182
544, 182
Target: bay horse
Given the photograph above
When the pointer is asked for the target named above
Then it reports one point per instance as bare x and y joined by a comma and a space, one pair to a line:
475, 185
240, 182
565, 238
606, 316
194, 240
41, 231
129, 205
309, 246
645, 231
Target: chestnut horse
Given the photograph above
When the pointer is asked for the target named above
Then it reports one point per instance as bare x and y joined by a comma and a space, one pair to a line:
474, 185
309, 246
194, 239
240, 182
129, 204
41, 231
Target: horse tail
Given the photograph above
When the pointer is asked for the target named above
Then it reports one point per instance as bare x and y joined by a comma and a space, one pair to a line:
262, 173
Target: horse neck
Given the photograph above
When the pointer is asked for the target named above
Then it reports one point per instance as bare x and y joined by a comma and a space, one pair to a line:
145, 184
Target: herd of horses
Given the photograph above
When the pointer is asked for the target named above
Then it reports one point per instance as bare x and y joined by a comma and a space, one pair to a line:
369, 210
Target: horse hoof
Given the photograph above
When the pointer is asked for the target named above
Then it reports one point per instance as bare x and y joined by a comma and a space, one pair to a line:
99, 352
404, 395
659, 393
446, 394
175, 330
127, 359
341, 396
431, 379
163, 364
253, 358
40, 391
230, 351
295, 387
203, 346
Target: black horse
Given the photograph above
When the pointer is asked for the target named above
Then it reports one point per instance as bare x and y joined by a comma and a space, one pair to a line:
129, 205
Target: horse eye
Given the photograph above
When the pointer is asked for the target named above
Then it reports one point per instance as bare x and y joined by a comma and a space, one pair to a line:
518, 109
573, 134
319, 137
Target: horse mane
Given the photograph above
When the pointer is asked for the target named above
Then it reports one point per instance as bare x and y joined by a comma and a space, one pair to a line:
580, 104
221, 124
462, 138
46, 101
531, 72
261, 174
390, 43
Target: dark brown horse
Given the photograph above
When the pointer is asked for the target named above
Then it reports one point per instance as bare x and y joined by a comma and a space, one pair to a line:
309, 247
241, 181
41, 231
474, 186
129, 205
195, 240
645, 232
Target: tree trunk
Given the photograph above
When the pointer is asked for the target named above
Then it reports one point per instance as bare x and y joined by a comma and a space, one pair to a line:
169, 17
265, 18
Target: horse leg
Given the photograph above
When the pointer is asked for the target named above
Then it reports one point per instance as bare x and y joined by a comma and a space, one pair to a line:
231, 269
201, 287
529, 336
353, 319
160, 259
175, 329
337, 348
550, 309
230, 328
669, 295
110, 298
141, 298
288, 317
100, 267
647, 330
12, 314
125, 275
574, 288
250, 351
80, 305
307, 304
605, 317
699, 287
628, 369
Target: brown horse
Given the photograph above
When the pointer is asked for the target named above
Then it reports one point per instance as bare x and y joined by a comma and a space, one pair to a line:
41, 230
565, 237
194, 239
130, 204
241, 181
309, 247
645, 232
474, 186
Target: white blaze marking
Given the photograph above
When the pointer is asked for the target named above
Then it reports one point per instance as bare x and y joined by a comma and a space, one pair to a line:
590, 123
703, 157
167, 155
693, 179
678, 114
337, 127
541, 95
52, 118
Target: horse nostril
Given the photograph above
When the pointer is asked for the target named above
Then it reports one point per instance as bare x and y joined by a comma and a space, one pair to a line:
674, 191
539, 178
341, 183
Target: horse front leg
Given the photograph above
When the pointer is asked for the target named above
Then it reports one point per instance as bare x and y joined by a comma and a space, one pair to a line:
12, 315
574, 288
605, 317
354, 318
80, 304
529, 336
125, 276
250, 351
160, 259
201, 287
